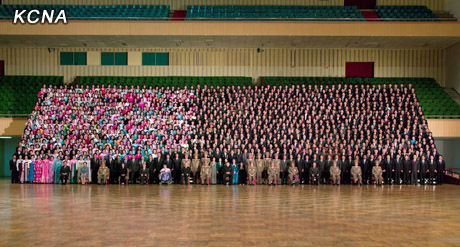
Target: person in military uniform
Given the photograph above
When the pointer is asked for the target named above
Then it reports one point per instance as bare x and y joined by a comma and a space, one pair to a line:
103, 174
205, 173
228, 174
267, 164
260, 167
196, 163
278, 168
186, 170
272, 174
334, 171
314, 174
293, 174
284, 166
252, 172
144, 173
377, 173
356, 173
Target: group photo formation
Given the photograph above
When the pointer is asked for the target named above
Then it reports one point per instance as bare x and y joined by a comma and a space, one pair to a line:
230, 123
297, 134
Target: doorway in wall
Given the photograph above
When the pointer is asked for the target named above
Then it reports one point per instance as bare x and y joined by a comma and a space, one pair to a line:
361, 4
359, 69
2, 67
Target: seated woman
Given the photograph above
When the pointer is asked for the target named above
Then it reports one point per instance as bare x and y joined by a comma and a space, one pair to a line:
84, 173
123, 174
165, 175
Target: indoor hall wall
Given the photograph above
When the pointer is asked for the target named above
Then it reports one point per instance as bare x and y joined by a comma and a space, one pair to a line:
435, 5
235, 62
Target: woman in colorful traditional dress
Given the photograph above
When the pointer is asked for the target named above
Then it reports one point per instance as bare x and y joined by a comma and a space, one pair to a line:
45, 170
25, 169
19, 167
73, 171
51, 169
37, 171
57, 169
30, 176
235, 169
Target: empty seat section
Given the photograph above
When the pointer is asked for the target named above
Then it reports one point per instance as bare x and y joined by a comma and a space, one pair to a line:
18, 94
274, 12
405, 13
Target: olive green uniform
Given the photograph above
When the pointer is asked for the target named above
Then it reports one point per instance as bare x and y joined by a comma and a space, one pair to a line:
335, 174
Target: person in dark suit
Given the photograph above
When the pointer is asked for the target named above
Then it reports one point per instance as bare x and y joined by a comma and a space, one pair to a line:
388, 169
14, 170
432, 170
94, 166
314, 174
144, 174
440, 170
398, 168
152, 168
407, 172
65, 172
299, 163
415, 169
422, 169
176, 173
133, 167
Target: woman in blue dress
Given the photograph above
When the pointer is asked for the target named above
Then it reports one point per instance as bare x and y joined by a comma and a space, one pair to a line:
57, 170
235, 169
30, 177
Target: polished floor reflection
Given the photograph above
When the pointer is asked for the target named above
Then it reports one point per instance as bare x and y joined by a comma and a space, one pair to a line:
75, 215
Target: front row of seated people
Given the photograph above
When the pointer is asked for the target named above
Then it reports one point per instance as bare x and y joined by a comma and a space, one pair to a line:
165, 176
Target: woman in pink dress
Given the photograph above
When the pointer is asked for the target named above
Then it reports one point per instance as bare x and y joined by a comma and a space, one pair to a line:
37, 171
45, 170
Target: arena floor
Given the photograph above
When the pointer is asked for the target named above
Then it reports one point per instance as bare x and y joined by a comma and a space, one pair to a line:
75, 215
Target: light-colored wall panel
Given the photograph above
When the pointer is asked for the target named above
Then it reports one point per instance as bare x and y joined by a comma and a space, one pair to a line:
12, 126
135, 58
453, 67
238, 62
444, 127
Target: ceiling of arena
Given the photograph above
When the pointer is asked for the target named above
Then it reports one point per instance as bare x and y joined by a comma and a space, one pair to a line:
227, 42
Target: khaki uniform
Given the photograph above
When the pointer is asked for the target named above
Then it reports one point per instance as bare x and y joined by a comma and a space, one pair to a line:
196, 166
272, 172
356, 174
252, 171
293, 175
260, 167
267, 162
185, 161
335, 174
377, 174
277, 166
103, 174
205, 174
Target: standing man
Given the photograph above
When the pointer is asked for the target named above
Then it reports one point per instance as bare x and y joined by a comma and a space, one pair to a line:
196, 162
14, 170
440, 170
432, 168
422, 165
398, 168
177, 166
414, 170
407, 170
94, 165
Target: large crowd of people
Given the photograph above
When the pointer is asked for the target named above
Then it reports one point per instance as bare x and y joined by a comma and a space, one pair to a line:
300, 134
